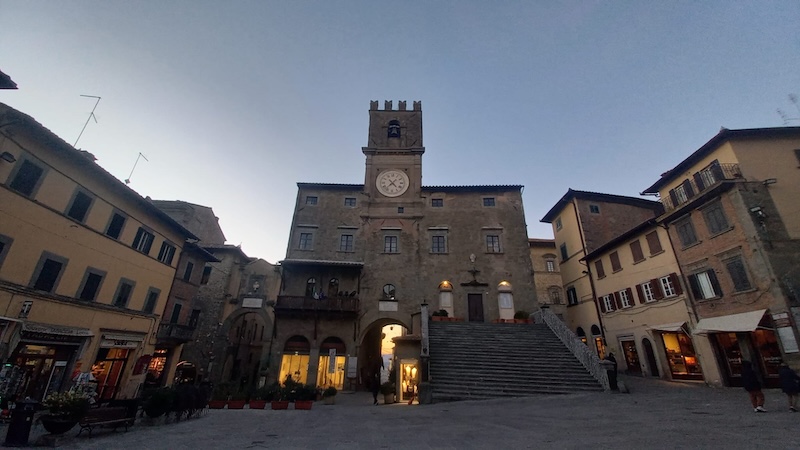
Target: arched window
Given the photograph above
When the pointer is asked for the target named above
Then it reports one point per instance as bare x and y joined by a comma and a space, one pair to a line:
394, 129
505, 299
333, 287
311, 287
388, 292
294, 362
446, 296
555, 295
581, 334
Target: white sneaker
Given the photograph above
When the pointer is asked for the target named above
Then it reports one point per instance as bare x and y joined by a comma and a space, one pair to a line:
760, 409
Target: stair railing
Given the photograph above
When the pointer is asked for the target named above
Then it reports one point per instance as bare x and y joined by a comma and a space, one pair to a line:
581, 351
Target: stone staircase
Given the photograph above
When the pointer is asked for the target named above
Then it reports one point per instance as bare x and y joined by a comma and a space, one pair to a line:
470, 360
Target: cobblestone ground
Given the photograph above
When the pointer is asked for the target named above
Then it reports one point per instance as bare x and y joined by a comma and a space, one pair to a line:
656, 415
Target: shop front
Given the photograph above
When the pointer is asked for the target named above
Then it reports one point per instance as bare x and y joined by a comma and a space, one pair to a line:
112, 358
295, 360
679, 350
746, 336
332, 359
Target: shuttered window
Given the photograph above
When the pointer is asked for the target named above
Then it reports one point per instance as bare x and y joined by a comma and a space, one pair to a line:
738, 274
615, 264
636, 251
653, 243
598, 267
705, 285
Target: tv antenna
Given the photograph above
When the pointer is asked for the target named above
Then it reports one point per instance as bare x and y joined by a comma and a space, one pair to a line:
128, 180
786, 119
91, 116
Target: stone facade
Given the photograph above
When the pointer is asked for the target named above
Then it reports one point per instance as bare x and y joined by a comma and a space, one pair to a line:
547, 276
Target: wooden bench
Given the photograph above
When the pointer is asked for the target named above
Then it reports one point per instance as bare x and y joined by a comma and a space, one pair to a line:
114, 416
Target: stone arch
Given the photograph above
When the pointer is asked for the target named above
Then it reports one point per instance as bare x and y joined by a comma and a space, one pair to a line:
369, 357
223, 347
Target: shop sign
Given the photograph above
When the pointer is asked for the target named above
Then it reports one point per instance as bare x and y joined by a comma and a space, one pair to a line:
786, 335
252, 302
119, 343
781, 320
332, 360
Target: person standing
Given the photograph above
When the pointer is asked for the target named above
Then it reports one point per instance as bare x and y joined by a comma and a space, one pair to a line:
375, 385
752, 385
790, 384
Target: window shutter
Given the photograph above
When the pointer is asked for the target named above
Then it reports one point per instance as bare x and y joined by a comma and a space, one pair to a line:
698, 180
687, 187
630, 296
714, 282
673, 197
695, 287
716, 169
601, 304
640, 291
658, 292
676, 283
617, 300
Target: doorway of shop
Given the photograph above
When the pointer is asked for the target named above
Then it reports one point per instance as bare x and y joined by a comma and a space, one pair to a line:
376, 359
631, 357
652, 366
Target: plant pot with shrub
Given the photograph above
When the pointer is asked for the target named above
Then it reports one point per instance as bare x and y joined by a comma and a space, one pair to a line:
237, 400
65, 410
304, 396
329, 395
219, 396
158, 402
388, 390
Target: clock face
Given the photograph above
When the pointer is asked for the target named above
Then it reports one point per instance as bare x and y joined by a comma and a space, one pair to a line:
392, 183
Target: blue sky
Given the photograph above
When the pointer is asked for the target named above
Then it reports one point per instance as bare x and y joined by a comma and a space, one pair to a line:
234, 102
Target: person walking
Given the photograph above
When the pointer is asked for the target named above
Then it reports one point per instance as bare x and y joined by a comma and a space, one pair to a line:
790, 384
752, 386
375, 385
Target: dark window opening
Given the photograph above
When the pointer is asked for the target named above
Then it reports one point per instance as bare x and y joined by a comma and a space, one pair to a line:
123, 294
27, 178
48, 276
187, 274
90, 287
80, 206
115, 226
150, 303
206, 275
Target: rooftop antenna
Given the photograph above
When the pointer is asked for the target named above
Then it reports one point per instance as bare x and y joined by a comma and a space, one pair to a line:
128, 180
91, 116
786, 119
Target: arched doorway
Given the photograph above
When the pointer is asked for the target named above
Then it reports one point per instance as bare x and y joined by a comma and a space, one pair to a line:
185, 373
294, 363
376, 352
650, 355
598, 342
581, 335
246, 339
332, 359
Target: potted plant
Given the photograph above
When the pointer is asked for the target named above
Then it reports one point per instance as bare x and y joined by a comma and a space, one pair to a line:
440, 315
65, 410
219, 396
260, 397
237, 400
158, 402
329, 395
279, 396
522, 317
304, 395
388, 389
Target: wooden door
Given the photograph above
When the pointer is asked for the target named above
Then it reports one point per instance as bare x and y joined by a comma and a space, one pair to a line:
475, 307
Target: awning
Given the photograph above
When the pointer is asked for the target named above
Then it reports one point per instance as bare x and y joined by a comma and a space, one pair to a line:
734, 323
669, 327
58, 330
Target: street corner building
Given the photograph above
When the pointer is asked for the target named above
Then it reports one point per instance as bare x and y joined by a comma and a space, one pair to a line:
86, 266
362, 258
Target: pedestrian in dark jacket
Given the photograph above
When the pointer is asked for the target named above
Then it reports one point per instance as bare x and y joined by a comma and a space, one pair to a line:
752, 386
790, 385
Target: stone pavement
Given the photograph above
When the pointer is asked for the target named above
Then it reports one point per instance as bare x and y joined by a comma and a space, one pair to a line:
655, 415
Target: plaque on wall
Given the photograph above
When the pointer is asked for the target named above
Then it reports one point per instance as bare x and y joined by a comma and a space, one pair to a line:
252, 302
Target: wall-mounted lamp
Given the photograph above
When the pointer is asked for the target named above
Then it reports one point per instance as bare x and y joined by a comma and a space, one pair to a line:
758, 212
8, 157
769, 181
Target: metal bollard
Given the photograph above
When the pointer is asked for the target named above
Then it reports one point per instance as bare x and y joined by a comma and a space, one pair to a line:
19, 430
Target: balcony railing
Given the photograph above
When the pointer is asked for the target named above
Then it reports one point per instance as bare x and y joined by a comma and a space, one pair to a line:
701, 181
331, 304
175, 332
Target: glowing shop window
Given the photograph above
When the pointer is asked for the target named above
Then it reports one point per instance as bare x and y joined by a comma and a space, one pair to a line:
296, 366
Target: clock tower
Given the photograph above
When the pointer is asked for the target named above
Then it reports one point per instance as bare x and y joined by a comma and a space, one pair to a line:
393, 176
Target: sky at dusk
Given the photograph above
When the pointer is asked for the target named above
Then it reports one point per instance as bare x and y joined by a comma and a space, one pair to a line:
235, 102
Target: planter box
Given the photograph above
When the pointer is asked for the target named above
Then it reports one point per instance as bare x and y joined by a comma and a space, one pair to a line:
258, 404
329, 400
388, 398
280, 404
236, 404
217, 404
303, 404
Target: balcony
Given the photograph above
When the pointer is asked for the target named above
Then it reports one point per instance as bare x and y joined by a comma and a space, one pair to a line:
702, 181
175, 333
299, 304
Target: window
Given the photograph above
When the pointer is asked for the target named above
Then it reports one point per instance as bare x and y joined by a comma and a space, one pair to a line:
390, 244
195, 317
401, 210
346, 243
598, 267
27, 178
636, 251
5, 246
79, 206
615, 264
686, 232
647, 292
206, 275
124, 291
438, 244
668, 287
48, 272
151, 300
311, 287
166, 253
492, 243
608, 303
176, 313
572, 296
350, 202
682, 193
187, 273
625, 298
306, 241
550, 265
90, 285
563, 249
594, 209
488, 201
738, 274
705, 285
715, 218
437, 202
394, 129
555, 295
115, 225
708, 176
653, 243
558, 224
311, 200
143, 241
388, 292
